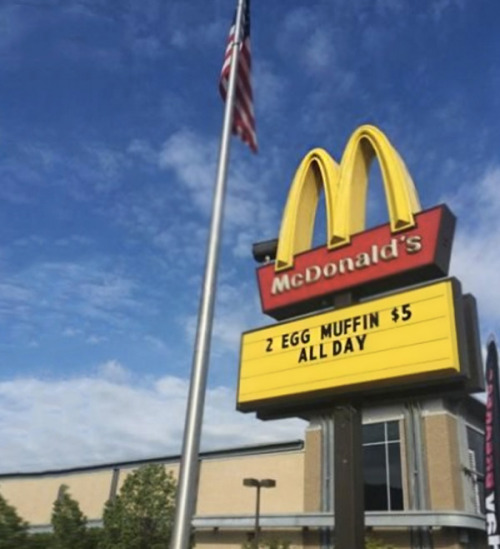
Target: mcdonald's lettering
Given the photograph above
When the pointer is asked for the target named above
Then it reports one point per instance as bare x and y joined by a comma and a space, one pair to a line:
414, 246
388, 252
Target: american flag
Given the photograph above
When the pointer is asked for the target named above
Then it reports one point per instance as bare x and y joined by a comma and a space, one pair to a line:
243, 117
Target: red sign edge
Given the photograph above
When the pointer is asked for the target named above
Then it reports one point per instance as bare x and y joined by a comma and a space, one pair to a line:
437, 269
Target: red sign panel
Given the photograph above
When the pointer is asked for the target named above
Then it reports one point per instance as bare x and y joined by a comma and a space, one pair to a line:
376, 260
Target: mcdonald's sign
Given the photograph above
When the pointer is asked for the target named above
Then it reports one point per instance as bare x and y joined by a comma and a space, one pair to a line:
414, 246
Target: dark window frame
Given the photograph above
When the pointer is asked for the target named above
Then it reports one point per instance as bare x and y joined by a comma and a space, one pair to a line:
476, 465
388, 437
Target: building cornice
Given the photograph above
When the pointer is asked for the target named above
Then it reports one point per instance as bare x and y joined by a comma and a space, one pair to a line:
395, 519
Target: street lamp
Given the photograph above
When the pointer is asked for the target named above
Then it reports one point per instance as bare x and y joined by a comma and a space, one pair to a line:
263, 483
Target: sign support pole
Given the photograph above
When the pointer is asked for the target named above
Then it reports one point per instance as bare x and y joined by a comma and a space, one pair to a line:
349, 496
188, 474
349, 500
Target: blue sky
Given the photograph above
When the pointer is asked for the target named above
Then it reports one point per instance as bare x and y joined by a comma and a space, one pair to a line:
109, 128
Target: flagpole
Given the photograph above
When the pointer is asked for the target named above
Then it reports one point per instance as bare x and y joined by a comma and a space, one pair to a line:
188, 474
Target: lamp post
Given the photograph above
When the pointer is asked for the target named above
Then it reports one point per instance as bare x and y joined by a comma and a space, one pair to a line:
258, 484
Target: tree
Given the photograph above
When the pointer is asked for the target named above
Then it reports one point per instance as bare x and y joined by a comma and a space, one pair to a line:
94, 536
68, 522
13, 530
141, 516
373, 543
370, 543
268, 544
40, 540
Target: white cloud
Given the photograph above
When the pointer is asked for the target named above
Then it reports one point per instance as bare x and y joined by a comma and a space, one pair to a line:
143, 150
70, 331
192, 160
309, 38
390, 8
113, 371
156, 343
237, 311
96, 339
269, 88
13, 27
179, 39
247, 211
73, 298
440, 8
82, 171
320, 43
475, 258
203, 35
319, 52
65, 423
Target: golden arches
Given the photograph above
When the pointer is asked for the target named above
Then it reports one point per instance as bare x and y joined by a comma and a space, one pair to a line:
317, 170
366, 143
345, 194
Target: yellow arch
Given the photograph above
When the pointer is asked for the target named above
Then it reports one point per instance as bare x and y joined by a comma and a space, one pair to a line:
400, 192
317, 170
345, 194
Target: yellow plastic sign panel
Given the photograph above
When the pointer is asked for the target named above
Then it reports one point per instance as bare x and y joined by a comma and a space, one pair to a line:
400, 337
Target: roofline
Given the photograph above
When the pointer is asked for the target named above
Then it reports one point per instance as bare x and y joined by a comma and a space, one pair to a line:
267, 448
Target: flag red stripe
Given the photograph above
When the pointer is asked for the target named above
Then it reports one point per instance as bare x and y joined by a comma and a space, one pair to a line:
243, 114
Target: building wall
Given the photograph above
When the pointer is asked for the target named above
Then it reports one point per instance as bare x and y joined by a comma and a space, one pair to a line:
221, 489
299, 473
443, 462
34, 497
312, 469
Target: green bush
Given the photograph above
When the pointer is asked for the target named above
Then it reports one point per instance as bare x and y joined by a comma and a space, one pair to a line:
370, 543
141, 516
43, 540
13, 530
268, 544
373, 543
68, 522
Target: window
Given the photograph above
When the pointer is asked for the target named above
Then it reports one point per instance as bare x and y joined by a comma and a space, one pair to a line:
475, 444
382, 467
